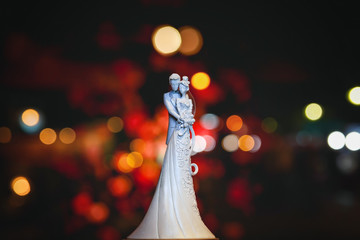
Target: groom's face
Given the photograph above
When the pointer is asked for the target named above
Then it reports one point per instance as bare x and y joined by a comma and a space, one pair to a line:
174, 84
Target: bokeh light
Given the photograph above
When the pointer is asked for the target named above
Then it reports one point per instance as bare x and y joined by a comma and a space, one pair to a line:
5, 135
137, 145
313, 111
246, 143
121, 163
352, 141
191, 40
30, 117
166, 40
200, 80
115, 124
210, 143
269, 125
134, 159
67, 135
20, 185
230, 143
347, 163
119, 186
336, 140
257, 143
353, 95
209, 121
200, 144
47, 136
98, 212
234, 123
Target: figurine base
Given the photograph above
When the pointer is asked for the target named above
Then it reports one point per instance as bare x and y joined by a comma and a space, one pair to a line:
171, 239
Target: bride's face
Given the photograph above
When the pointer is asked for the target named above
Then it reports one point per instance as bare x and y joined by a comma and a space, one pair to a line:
182, 89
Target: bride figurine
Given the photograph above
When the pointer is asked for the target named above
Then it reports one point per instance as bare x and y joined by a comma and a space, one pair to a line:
173, 212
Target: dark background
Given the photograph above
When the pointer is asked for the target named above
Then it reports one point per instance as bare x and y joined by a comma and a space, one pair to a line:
284, 55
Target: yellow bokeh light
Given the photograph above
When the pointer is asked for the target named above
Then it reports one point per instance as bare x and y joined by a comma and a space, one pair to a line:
67, 135
20, 185
234, 123
246, 143
200, 80
5, 135
134, 159
313, 111
47, 136
115, 124
192, 40
166, 40
122, 164
354, 95
30, 117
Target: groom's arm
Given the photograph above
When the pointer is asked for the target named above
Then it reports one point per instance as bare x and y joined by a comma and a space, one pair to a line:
170, 108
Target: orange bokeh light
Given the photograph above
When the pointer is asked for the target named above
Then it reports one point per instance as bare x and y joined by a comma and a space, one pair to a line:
234, 123
246, 143
67, 135
200, 80
98, 212
5, 134
115, 124
192, 40
120, 162
21, 186
134, 159
119, 186
47, 136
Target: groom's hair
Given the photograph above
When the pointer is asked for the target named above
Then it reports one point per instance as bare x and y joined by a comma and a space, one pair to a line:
174, 76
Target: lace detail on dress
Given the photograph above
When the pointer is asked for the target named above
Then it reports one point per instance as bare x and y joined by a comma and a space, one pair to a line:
183, 151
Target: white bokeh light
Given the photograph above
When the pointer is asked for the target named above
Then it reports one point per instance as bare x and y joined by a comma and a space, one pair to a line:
230, 143
336, 140
210, 143
257, 143
200, 144
352, 141
209, 121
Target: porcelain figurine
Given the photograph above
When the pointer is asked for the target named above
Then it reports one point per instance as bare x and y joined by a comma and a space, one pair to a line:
173, 212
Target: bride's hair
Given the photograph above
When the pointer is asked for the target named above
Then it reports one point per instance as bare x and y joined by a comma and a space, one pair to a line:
185, 82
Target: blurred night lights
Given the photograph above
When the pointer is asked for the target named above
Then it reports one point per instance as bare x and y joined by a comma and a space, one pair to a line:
5, 135
115, 124
336, 140
347, 163
352, 141
47, 136
98, 212
313, 111
192, 40
234, 123
246, 143
166, 40
230, 143
200, 144
210, 143
20, 185
67, 135
209, 121
134, 159
257, 143
200, 80
30, 121
137, 145
353, 95
121, 163
269, 125
119, 186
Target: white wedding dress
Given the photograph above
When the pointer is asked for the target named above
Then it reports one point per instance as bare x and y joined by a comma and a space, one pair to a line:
173, 212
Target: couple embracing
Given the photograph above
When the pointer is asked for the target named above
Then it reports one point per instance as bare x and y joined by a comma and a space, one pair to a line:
173, 212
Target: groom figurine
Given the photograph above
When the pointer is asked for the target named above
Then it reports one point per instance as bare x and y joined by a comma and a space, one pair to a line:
170, 104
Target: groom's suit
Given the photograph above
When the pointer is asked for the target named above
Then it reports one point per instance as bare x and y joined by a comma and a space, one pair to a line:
170, 103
